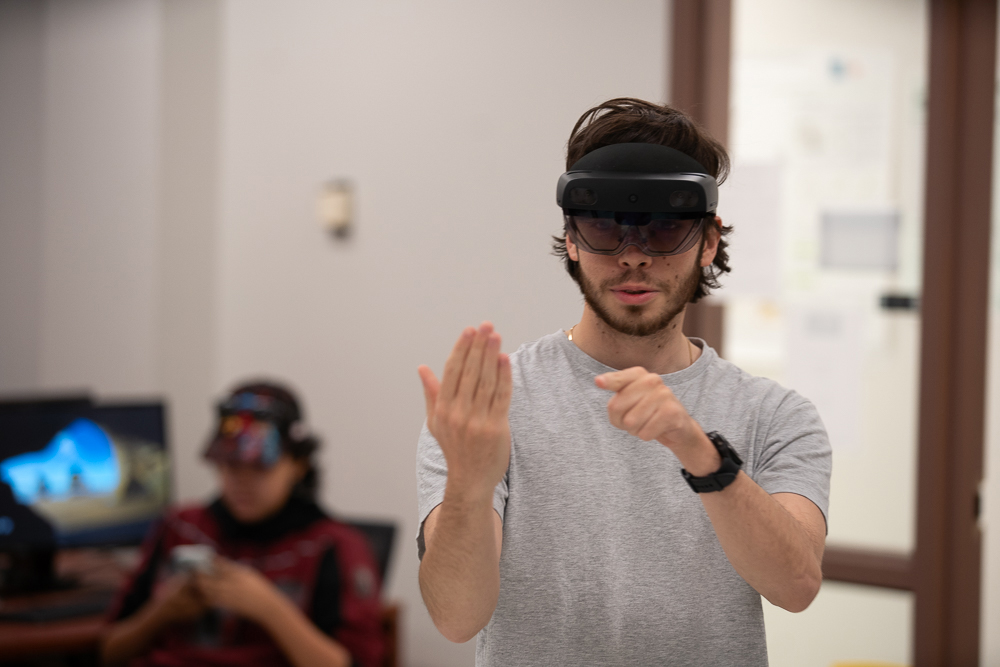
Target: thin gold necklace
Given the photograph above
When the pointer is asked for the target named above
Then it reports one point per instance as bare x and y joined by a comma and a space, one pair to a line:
569, 334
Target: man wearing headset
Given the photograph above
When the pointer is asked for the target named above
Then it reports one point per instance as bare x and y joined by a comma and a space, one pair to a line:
617, 493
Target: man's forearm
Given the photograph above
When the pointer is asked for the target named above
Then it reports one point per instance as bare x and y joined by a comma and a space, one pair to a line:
768, 546
460, 571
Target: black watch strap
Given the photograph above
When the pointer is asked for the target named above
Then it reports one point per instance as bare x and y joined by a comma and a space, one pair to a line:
724, 476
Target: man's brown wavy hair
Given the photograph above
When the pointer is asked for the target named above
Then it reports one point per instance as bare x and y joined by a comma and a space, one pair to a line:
629, 120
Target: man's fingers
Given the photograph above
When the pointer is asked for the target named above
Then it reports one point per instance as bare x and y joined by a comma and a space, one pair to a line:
432, 387
453, 366
628, 394
501, 397
472, 370
641, 401
616, 380
488, 379
637, 418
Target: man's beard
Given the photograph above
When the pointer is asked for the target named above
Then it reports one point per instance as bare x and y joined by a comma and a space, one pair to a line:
678, 296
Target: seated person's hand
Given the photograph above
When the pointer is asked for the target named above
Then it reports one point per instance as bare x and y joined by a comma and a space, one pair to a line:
238, 589
178, 600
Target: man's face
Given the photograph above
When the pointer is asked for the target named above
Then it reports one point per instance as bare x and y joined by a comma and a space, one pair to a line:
639, 295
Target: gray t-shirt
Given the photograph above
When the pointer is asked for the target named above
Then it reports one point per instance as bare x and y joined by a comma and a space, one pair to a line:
608, 556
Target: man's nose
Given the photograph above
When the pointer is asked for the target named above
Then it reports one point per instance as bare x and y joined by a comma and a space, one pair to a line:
632, 256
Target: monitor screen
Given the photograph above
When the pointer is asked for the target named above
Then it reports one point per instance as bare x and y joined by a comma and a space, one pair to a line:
81, 475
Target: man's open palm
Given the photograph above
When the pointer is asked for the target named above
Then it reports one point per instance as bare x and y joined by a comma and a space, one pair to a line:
467, 410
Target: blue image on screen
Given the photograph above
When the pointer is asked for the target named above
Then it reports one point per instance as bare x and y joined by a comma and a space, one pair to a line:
79, 461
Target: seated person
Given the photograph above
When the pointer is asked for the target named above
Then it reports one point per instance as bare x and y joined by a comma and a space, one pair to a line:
288, 584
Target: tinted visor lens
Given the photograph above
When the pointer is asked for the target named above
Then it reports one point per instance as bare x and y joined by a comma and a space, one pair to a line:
609, 232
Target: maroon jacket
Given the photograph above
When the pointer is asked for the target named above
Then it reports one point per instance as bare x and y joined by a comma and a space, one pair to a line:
324, 566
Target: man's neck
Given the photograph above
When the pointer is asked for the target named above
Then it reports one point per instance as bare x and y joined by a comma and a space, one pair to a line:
666, 351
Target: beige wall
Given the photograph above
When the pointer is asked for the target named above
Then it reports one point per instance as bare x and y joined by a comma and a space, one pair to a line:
80, 133
21, 63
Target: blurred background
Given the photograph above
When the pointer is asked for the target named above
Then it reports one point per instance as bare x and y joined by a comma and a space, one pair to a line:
194, 192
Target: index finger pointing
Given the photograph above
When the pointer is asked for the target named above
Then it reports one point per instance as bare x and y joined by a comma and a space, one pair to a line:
617, 380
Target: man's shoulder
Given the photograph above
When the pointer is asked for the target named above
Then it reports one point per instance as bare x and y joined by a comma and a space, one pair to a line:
732, 379
548, 361
541, 349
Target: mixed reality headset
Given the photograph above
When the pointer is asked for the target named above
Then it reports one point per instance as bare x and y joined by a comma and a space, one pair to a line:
254, 427
647, 195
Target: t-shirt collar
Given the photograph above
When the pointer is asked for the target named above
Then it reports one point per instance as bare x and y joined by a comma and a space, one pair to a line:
584, 360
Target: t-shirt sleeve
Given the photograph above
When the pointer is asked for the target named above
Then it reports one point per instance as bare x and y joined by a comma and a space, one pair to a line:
432, 473
795, 456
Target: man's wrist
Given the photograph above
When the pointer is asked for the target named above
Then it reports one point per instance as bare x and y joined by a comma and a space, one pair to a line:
725, 475
466, 495
699, 457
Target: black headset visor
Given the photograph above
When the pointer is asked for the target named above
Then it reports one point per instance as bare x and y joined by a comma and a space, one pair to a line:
655, 234
695, 194
651, 196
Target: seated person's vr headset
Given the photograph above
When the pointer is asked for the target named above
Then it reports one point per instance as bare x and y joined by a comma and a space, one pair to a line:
251, 430
647, 195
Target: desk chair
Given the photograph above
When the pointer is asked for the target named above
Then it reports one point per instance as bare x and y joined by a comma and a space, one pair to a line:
381, 536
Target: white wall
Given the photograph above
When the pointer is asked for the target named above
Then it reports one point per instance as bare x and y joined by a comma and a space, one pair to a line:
21, 62
451, 119
99, 212
188, 244
77, 171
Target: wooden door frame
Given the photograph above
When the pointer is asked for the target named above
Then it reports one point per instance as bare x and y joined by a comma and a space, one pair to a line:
699, 59
957, 222
944, 571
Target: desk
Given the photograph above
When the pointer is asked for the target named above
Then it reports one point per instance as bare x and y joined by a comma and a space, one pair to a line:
94, 570
80, 636
70, 637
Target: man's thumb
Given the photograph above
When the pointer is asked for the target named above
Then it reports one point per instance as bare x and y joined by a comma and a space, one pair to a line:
431, 388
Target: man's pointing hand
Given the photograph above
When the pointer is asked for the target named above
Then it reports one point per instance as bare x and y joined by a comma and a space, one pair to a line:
646, 408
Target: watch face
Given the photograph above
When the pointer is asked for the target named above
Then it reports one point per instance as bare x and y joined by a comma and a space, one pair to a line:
726, 450
726, 474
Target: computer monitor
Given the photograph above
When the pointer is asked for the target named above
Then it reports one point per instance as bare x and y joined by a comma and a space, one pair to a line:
81, 475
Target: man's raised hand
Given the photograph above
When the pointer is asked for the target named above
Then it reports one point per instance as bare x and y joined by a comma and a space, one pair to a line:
467, 411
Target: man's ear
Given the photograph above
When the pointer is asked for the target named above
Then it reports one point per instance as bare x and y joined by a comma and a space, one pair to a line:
572, 250
711, 243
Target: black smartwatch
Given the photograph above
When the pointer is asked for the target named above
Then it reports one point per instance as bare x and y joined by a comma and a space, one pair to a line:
725, 475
